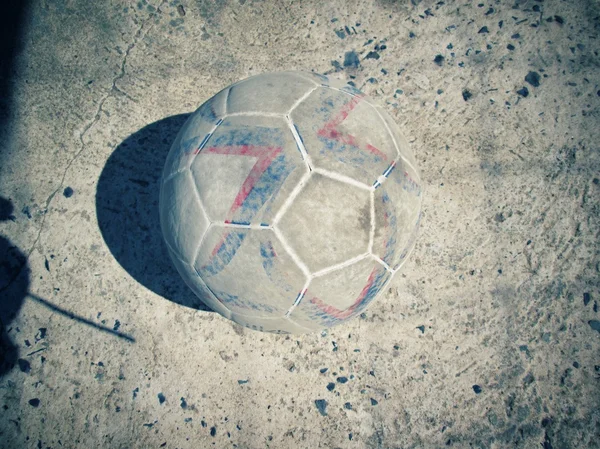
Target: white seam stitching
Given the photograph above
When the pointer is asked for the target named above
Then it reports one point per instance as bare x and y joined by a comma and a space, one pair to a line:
291, 197
342, 178
383, 263
226, 100
205, 141
292, 253
255, 114
199, 199
301, 99
223, 224
299, 142
299, 75
300, 297
339, 266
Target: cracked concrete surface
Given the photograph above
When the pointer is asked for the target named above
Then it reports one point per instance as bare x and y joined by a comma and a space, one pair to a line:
489, 337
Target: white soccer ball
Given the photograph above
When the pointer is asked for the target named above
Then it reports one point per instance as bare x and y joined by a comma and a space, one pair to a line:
288, 201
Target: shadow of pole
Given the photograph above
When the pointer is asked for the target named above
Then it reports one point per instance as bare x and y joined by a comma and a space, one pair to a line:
127, 210
14, 288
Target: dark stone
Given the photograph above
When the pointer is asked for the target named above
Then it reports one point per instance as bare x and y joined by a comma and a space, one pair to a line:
466, 94
439, 60
374, 402
35, 402
68, 192
483, 30
24, 365
351, 59
524, 92
594, 324
586, 298
321, 405
330, 386
372, 55
533, 78
476, 389
161, 398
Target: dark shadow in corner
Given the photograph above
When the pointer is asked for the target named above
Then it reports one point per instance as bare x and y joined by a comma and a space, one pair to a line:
14, 284
127, 210
12, 42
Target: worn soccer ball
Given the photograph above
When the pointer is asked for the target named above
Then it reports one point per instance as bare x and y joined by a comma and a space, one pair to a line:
288, 201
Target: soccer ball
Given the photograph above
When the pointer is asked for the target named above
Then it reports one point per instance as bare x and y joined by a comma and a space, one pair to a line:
288, 201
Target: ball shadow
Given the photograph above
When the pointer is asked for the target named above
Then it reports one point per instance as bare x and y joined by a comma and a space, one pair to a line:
127, 210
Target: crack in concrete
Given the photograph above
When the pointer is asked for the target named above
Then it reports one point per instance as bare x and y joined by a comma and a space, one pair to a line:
136, 37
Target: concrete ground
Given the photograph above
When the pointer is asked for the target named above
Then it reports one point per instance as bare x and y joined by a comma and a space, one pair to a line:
490, 336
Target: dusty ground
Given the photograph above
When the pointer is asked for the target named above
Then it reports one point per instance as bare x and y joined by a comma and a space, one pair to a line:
490, 337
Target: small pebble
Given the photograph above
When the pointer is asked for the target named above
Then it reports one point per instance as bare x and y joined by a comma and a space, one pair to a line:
524, 92
586, 299
68, 192
476, 389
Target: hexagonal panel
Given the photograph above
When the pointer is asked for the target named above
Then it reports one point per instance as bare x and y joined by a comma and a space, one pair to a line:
397, 212
249, 271
343, 133
181, 217
195, 283
247, 169
328, 223
340, 295
272, 93
193, 132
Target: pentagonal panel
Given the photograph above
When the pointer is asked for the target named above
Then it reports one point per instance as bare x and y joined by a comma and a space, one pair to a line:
274, 325
341, 294
247, 169
272, 93
195, 283
397, 212
343, 133
195, 130
328, 222
181, 217
249, 271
